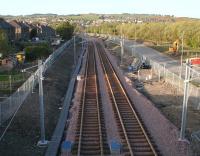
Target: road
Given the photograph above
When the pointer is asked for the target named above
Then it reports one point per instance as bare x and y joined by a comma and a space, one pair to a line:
172, 65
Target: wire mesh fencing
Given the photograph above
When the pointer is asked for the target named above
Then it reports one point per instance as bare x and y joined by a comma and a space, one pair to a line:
9, 106
176, 81
9, 83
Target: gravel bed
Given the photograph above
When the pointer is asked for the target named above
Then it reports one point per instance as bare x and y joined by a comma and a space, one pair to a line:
111, 126
24, 133
164, 133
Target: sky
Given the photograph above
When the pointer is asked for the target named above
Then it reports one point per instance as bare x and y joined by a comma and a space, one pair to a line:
179, 8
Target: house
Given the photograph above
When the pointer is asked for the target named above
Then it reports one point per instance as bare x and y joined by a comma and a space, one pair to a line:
7, 28
46, 32
30, 27
17, 29
25, 30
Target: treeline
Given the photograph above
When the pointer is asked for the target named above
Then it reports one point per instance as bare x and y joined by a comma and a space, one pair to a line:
156, 32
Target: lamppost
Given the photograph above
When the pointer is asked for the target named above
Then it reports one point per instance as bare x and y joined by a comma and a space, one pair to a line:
135, 37
185, 100
187, 80
42, 142
122, 50
181, 54
132, 51
74, 50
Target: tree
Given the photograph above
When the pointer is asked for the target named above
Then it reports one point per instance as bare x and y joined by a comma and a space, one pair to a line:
156, 32
34, 52
65, 30
33, 33
4, 46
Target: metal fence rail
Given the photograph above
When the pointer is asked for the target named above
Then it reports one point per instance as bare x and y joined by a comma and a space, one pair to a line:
11, 104
176, 81
54, 144
170, 77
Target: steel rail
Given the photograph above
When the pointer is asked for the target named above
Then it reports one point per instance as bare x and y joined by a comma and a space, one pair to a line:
90, 80
109, 79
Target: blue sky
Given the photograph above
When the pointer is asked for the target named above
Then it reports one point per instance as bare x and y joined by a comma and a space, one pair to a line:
188, 8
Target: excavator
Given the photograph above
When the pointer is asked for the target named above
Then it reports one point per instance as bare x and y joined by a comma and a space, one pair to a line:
175, 46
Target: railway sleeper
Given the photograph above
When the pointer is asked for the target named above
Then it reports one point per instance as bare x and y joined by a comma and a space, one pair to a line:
92, 153
90, 139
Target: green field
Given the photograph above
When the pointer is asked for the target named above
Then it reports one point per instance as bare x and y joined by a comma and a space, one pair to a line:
15, 77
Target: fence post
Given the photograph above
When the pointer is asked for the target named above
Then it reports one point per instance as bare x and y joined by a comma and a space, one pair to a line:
198, 107
33, 82
139, 75
122, 51
42, 141
185, 102
164, 70
197, 96
18, 95
150, 62
179, 84
0, 113
10, 83
74, 50
173, 78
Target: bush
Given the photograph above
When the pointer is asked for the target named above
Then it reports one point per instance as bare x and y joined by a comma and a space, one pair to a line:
37, 52
65, 30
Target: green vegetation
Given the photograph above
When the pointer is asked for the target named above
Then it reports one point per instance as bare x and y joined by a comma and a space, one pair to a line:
65, 30
86, 17
4, 46
34, 52
15, 77
156, 32
33, 33
9, 83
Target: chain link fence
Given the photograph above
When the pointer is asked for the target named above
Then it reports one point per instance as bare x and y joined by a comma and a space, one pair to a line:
176, 80
9, 83
9, 106
173, 78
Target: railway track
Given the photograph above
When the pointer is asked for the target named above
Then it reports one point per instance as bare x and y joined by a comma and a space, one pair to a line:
91, 136
135, 140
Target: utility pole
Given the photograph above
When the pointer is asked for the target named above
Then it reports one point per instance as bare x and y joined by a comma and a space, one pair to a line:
181, 54
132, 51
82, 43
42, 141
122, 51
74, 50
135, 38
10, 82
185, 100
82, 34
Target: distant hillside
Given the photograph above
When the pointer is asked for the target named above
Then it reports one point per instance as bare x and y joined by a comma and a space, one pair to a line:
44, 15
125, 17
